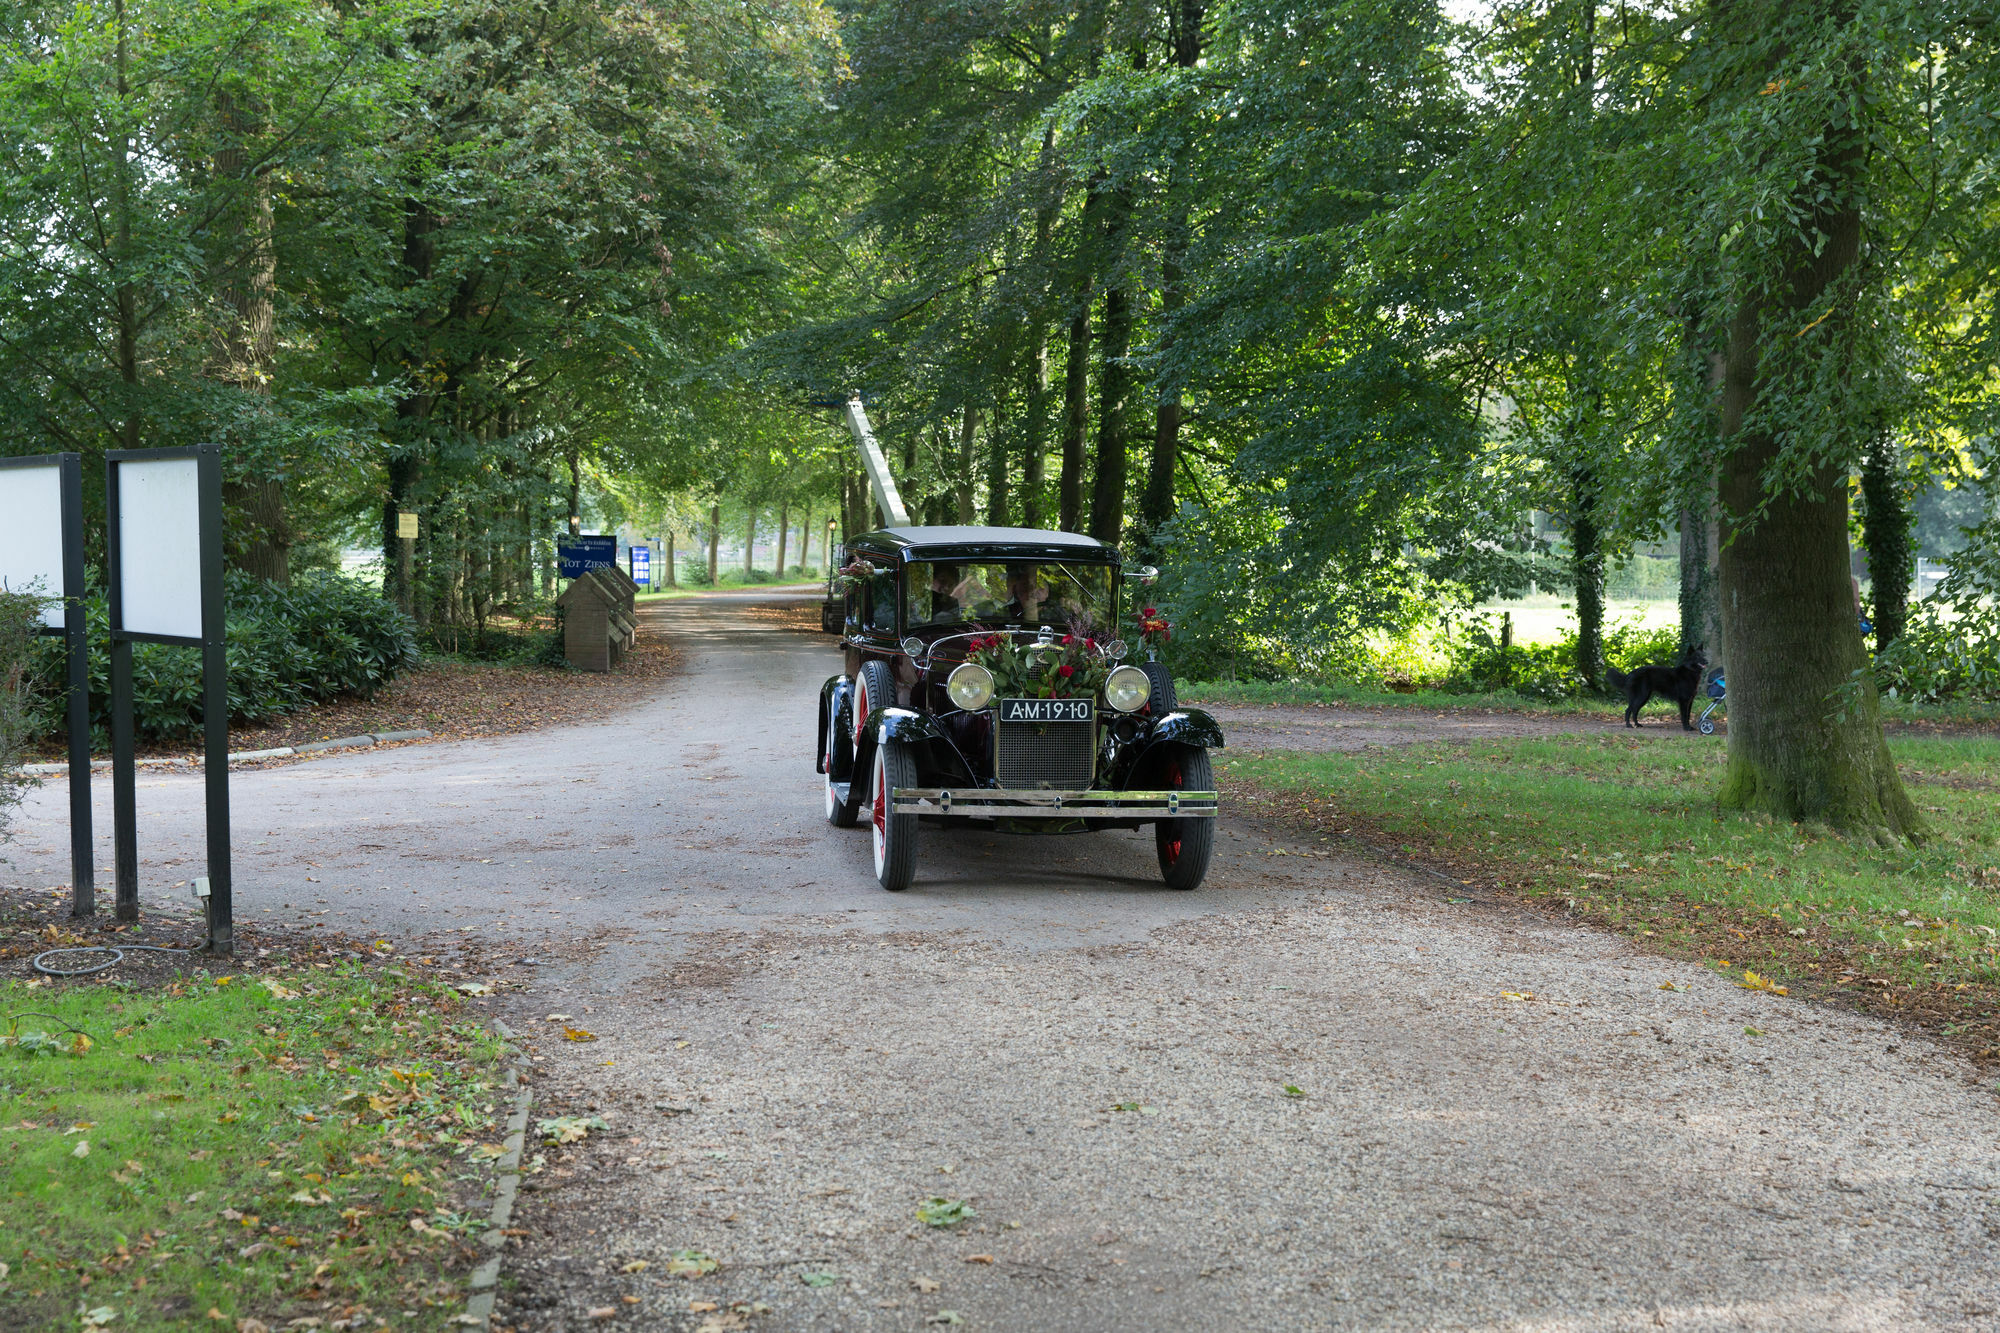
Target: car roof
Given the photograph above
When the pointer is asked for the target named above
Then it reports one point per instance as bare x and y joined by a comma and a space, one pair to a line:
967, 542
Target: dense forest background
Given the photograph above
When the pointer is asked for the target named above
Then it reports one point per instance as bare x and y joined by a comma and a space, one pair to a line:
1348, 316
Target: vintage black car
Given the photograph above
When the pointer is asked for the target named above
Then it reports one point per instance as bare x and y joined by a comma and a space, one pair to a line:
986, 680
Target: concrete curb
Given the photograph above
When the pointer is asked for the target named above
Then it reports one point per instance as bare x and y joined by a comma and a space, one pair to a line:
483, 1285
246, 756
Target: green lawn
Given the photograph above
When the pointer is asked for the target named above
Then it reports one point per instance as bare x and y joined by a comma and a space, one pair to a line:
1626, 831
288, 1146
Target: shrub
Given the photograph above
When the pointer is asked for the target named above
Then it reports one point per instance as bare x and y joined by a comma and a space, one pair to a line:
19, 612
1950, 650
1466, 658
324, 637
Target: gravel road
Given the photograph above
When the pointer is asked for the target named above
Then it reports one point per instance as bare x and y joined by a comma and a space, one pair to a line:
1504, 1121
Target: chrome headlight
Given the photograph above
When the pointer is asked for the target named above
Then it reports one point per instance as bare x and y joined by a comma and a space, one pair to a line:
970, 686
1127, 688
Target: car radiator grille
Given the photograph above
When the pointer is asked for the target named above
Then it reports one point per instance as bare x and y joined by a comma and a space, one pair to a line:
1046, 754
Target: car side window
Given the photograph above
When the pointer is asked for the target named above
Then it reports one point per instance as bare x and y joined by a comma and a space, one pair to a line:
882, 601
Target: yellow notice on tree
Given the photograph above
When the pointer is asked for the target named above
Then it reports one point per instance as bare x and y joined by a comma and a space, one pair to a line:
406, 525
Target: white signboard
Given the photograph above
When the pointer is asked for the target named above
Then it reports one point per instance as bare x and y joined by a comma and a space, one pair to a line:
31, 536
159, 546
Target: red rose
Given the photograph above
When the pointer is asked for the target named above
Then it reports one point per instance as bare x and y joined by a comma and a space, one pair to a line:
1150, 612
1065, 671
1068, 639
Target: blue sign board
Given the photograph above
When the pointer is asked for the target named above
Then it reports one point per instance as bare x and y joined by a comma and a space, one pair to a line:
642, 566
577, 556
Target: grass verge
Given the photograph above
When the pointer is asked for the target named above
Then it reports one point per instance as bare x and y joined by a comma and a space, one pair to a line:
232, 1151
1971, 715
1626, 832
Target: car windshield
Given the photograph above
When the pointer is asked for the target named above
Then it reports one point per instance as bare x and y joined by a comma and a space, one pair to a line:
1073, 597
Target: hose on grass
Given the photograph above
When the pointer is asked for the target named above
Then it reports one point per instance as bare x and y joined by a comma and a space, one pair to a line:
117, 953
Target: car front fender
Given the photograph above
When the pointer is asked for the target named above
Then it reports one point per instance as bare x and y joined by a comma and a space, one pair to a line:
836, 697
1189, 726
1183, 726
902, 724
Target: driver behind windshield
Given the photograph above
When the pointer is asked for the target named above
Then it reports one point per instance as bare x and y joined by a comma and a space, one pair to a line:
944, 594
1025, 595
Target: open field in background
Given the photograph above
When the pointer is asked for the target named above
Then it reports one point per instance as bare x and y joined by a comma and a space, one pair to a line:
298, 1142
1547, 619
1626, 832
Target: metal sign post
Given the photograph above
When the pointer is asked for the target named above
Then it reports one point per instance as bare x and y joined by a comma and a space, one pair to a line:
164, 534
41, 546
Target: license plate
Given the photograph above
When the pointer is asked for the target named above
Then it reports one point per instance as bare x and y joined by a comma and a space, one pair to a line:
1045, 710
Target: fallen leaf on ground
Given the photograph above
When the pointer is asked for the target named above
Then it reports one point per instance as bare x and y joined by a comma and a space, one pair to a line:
946, 1317
473, 988
1293, 1090
601, 1311
924, 1284
826, 1279
578, 1034
938, 1211
557, 1018
279, 990
636, 1266
691, 1263
1517, 995
977, 1259
1751, 981
82, 1148
702, 1307
568, 1128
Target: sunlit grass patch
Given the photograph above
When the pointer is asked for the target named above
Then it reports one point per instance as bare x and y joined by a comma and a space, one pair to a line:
274, 1147
1627, 831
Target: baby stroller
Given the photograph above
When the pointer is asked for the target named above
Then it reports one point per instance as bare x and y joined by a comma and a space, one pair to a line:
1717, 691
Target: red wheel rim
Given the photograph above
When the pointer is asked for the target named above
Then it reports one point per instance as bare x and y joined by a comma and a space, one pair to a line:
1176, 780
881, 798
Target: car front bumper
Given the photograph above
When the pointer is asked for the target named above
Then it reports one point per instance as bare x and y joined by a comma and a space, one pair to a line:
1017, 803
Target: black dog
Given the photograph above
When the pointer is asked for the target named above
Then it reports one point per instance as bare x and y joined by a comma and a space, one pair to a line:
1679, 683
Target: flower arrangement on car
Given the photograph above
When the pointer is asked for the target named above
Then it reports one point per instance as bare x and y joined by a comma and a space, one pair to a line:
1154, 630
1067, 667
852, 575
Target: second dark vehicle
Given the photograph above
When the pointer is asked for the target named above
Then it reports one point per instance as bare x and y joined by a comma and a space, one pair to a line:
986, 681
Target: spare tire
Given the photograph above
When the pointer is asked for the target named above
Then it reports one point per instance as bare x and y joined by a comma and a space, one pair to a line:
1163, 699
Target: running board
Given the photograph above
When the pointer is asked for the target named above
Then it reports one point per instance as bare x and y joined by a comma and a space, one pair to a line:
1001, 803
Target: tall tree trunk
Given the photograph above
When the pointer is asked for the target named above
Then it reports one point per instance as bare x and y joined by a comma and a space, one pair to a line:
1156, 502
784, 518
1587, 570
256, 495
398, 576
1805, 731
1107, 499
1034, 430
806, 542
996, 477
1076, 362
1697, 583
968, 429
749, 542
714, 541
575, 494
1076, 415
672, 580
1885, 530
126, 294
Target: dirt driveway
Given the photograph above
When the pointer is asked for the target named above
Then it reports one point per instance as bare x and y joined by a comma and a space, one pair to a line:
1319, 1093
